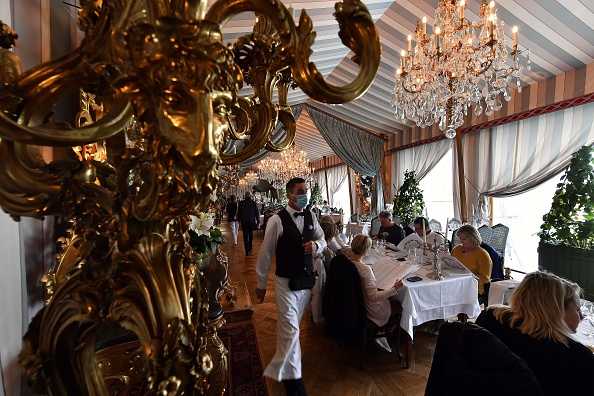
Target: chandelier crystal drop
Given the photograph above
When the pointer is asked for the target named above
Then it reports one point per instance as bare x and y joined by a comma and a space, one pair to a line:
462, 64
293, 163
251, 178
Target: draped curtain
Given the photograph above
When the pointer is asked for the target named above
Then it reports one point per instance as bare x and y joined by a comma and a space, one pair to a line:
421, 160
516, 157
336, 178
358, 149
278, 136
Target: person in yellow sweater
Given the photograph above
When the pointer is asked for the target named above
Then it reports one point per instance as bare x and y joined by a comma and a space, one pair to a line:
473, 256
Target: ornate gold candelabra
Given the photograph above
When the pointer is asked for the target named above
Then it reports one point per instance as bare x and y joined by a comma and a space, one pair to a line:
126, 260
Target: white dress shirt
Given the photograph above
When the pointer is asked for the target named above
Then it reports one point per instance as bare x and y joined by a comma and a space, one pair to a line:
376, 301
274, 229
433, 238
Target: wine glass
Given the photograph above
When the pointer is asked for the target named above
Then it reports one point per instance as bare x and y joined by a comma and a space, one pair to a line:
586, 309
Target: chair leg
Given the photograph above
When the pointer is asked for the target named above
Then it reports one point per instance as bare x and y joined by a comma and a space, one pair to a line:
400, 355
362, 362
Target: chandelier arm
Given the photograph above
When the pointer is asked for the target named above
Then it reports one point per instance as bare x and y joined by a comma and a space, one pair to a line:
115, 120
411, 91
27, 186
285, 116
483, 70
242, 119
357, 32
260, 134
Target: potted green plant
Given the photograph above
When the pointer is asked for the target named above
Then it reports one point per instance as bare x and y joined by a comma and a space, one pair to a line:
316, 194
408, 201
566, 245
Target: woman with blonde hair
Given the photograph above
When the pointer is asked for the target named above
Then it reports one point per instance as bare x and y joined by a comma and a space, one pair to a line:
473, 256
535, 328
334, 243
378, 305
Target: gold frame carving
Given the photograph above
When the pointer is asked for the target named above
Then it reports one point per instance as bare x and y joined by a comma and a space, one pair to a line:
126, 258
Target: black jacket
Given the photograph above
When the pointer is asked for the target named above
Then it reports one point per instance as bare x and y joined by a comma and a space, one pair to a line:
560, 369
248, 213
469, 360
342, 304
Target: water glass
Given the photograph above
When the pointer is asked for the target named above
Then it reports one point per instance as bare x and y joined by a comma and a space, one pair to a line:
412, 254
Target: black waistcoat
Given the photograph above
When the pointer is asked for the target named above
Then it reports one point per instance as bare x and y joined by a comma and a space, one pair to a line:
291, 260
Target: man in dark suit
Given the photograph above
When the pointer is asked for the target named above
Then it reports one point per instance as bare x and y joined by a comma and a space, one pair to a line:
249, 217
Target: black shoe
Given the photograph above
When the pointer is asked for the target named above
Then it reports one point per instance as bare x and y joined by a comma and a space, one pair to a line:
295, 387
247, 253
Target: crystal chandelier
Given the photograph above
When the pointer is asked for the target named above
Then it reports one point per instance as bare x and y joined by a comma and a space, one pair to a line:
461, 64
251, 178
293, 163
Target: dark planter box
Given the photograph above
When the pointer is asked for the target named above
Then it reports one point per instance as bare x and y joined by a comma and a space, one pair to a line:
569, 262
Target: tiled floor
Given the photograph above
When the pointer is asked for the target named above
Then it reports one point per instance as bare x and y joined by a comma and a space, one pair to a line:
328, 368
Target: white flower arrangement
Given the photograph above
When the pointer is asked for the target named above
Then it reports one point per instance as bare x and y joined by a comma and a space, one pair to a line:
202, 223
204, 237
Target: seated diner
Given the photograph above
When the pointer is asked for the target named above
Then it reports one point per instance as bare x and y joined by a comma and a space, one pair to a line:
378, 304
393, 232
422, 229
538, 327
473, 256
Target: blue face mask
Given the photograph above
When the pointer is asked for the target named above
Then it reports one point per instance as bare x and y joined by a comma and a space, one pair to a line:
301, 201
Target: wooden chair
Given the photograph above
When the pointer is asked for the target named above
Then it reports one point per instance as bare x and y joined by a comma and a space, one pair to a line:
371, 332
344, 309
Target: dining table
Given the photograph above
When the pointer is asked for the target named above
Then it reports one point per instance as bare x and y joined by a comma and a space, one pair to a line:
427, 299
500, 292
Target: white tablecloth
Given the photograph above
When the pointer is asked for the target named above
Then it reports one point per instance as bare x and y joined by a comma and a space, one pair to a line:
428, 299
500, 292
318, 290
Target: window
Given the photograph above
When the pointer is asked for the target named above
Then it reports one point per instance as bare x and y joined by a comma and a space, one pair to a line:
438, 191
523, 215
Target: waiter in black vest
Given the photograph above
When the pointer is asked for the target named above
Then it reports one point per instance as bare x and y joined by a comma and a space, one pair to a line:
294, 236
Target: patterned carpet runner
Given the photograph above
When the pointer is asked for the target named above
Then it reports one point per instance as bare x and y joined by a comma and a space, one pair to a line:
245, 367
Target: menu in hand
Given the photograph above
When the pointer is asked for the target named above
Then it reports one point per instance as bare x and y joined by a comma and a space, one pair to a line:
387, 271
413, 241
452, 265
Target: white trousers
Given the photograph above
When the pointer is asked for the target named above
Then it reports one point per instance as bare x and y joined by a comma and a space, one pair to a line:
290, 305
234, 225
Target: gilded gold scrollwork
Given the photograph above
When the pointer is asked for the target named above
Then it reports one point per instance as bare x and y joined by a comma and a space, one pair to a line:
126, 259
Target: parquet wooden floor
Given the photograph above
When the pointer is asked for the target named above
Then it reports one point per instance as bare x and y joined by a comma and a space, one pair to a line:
328, 369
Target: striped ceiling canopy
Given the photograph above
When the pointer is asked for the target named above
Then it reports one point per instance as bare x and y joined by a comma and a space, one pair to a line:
559, 33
